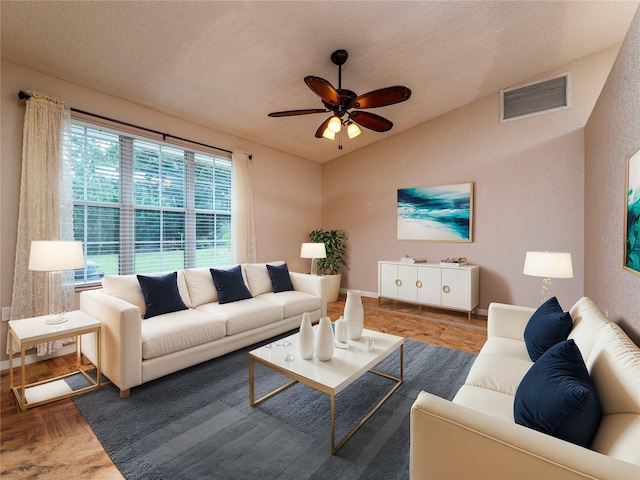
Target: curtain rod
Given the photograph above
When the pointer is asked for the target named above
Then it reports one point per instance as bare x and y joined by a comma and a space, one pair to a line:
25, 96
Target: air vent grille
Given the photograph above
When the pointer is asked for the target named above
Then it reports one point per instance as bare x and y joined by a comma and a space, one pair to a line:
535, 98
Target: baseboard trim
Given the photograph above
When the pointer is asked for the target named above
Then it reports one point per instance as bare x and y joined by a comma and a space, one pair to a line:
481, 311
33, 358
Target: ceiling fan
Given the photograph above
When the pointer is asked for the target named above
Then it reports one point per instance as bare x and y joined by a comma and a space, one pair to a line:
341, 101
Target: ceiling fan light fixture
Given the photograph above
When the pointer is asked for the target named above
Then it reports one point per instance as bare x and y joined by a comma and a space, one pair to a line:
353, 130
328, 134
340, 102
335, 125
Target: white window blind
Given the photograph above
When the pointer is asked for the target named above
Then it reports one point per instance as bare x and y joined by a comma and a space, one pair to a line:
144, 206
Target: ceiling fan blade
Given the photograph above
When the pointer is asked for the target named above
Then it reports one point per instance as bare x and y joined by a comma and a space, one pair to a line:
323, 89
383, 97
290, 113
371, 121
322, 127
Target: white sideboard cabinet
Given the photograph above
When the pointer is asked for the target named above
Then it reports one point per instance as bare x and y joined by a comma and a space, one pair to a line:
430, 284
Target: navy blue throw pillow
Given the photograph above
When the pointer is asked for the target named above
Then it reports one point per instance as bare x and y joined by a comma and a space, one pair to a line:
161, 294
230, 285
557, 396
280, 279
547, 326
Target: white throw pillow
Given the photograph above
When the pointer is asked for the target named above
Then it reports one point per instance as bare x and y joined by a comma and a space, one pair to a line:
125, 287
257, 277
200, 285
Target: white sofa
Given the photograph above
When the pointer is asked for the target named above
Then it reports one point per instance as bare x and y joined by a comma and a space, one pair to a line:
137, 350
475, 435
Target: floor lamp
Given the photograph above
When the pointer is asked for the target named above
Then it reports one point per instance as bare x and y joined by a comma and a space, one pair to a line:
548, 265
313, 251
55, 256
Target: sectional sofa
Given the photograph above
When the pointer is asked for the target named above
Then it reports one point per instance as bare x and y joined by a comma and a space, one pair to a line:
181, 318
476, 435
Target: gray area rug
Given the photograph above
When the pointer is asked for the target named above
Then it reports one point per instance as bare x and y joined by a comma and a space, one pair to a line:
197, 423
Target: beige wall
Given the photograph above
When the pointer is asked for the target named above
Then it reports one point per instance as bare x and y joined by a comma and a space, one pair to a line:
287, 193
611, 135
528, 176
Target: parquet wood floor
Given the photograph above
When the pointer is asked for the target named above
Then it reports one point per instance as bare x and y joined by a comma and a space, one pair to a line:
54, 441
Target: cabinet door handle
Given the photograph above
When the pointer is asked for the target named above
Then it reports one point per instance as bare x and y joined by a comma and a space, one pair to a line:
418, 284
446, 289
398, 282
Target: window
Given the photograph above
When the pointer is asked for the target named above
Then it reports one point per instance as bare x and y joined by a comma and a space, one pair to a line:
143, 206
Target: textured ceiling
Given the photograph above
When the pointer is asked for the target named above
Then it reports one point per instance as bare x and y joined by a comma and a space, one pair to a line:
226, 65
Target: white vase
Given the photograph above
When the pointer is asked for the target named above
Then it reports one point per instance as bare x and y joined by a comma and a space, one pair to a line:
306, 337
354, 314
342, 333
324, 340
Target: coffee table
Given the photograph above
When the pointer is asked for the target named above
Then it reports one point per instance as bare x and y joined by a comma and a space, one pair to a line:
331, 377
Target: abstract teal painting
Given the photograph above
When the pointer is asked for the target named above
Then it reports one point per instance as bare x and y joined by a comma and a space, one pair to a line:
632, 215
441, 213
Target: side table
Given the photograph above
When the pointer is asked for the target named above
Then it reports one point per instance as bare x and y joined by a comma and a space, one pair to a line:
30, 332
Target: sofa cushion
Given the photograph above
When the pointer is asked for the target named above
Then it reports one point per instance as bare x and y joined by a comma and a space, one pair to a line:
280, 279
201, 287
506, 347
125, 287
617, 437
548, 325
161, 294
230, 285
614, 366
257, 276
244, 315
172, 332
489, 402
293, 303
587, 322
557, 396
498, 372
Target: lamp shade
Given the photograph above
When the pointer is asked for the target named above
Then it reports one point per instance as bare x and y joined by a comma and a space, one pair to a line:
335, 124
548, 265
352, 130
313, 250
52, 256
328, 134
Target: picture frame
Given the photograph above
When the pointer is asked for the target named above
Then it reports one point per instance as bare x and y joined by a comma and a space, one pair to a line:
442, 213
631, 258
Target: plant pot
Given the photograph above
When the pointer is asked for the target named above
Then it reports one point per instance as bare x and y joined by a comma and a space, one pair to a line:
333, 287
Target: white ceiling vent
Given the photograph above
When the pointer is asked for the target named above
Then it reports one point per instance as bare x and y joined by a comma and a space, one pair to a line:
535, 98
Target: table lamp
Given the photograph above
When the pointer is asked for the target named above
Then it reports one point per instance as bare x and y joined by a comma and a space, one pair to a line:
548, 265
55, 256
313, 251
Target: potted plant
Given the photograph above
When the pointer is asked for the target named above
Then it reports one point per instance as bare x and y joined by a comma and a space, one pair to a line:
335, 246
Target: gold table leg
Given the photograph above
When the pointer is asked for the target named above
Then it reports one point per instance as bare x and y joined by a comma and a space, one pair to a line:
398, 380
334, 447
23, 374
253, 402
20, 391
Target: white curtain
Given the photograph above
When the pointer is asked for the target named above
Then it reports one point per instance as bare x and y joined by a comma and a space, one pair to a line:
46, 208
242, 224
